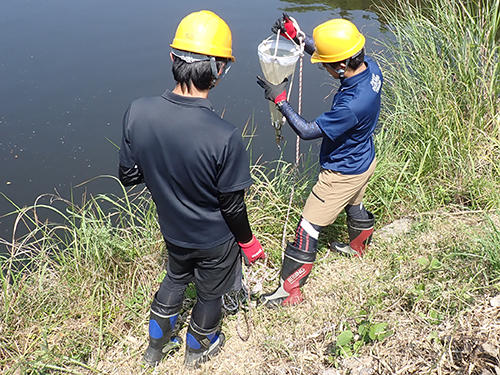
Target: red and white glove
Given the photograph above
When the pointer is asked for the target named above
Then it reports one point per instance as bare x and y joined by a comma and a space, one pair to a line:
252, 251
288, 27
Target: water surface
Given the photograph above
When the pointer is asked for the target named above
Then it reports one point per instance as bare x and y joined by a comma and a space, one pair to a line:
69, 69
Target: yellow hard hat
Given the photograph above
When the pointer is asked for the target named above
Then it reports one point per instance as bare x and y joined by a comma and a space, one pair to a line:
336, 40
205, 33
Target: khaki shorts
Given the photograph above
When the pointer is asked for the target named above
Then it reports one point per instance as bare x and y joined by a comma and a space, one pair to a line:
333, 192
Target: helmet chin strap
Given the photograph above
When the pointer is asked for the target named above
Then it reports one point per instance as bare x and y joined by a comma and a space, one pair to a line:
215, 72
341, 72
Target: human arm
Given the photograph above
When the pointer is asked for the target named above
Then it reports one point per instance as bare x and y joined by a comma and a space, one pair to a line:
128, 171
276, 93
234, 211
306, 130
309, 44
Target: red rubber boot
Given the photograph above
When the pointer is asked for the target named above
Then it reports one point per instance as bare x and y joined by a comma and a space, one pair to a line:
297, 265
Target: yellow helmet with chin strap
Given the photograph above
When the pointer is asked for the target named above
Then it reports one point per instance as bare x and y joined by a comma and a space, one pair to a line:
336, 40
204, 33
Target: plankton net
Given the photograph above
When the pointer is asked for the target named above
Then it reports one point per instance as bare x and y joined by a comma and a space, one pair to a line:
278, 59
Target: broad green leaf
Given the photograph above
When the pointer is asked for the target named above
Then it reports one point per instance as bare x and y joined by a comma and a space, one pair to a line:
432, 336
423, 261
357, 345
364, 328
376, 330
435, 264
344, 338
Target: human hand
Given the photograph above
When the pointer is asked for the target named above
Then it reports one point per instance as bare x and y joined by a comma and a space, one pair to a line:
286, 26
274, 93
252, 251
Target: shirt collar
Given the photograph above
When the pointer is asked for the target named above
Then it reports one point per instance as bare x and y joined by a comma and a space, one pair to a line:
354, 80
187, 100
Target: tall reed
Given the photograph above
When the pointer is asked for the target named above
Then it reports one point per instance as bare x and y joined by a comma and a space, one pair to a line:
68, 280
439, 140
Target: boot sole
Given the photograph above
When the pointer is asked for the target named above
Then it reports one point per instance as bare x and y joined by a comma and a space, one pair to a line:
211, 352
153, 357
347, 253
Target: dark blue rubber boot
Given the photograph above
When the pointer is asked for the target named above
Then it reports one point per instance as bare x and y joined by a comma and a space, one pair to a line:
161, 327
202, 344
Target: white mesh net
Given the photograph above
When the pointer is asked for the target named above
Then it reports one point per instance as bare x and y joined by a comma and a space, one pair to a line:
277, 59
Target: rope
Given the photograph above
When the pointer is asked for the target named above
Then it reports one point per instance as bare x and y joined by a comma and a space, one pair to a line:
241, 303
297, 154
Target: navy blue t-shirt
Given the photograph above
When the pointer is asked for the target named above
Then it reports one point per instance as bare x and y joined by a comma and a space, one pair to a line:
188, 155
348, 146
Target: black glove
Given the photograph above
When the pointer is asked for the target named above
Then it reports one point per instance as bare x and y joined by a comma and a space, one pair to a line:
285, 27
274, 93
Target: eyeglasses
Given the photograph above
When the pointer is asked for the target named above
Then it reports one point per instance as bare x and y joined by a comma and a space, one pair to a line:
323, 66
226, 69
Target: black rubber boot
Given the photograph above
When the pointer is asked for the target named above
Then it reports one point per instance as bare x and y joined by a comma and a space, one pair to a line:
360, 236
297, 265
162, 321
202, 344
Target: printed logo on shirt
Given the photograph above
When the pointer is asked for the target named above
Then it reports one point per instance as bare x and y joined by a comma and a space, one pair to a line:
376, 83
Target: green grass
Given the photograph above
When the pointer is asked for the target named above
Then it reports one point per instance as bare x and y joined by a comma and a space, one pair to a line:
75, 288
79, 270
439, 142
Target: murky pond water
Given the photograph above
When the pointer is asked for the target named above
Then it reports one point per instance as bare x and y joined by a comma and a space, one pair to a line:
69, 69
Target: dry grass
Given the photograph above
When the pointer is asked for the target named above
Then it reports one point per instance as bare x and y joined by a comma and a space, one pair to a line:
464, 339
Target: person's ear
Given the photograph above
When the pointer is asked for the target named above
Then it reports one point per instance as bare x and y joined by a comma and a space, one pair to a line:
222, 68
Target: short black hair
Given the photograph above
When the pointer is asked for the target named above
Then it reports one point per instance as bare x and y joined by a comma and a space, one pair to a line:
199, 73
354, 62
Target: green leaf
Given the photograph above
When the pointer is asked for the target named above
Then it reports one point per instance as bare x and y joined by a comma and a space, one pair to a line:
435, 264
345, 351
423, 261
420, 288
191, 291
364, 329
344, 338
435, 317
361, 316
377, 330
433, 336
357, 345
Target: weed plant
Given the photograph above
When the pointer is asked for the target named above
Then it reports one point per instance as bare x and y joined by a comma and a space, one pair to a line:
76, 291
66, 282
439, 140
